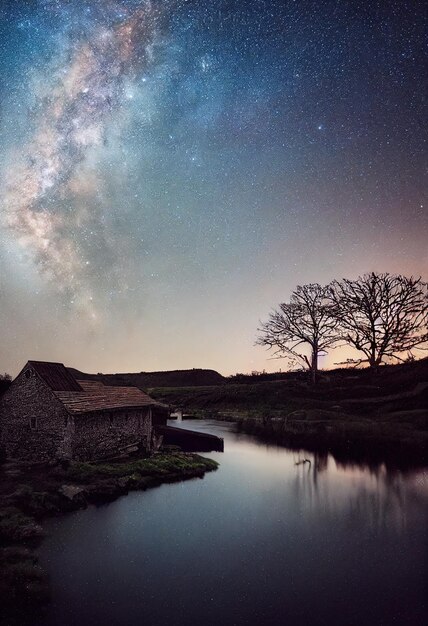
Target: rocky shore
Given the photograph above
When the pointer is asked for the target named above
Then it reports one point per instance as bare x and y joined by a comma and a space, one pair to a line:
30, 495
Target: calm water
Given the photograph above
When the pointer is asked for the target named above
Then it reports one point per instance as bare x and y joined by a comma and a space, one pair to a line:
261, 541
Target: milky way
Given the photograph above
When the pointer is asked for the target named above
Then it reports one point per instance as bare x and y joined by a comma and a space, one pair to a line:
171, 170
76, 101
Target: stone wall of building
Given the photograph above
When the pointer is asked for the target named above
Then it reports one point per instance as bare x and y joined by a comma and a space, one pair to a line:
35, 427
108, 433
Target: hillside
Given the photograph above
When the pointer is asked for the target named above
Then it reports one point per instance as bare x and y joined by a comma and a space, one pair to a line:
394, 387
143, 380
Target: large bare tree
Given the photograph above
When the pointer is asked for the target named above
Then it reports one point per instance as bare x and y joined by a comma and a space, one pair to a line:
381, 315
301, 329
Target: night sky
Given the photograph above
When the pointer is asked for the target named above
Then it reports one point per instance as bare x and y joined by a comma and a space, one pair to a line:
172, 170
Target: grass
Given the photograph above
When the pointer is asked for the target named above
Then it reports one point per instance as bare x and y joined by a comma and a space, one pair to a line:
348, 410
157, 466
17, 527
22, 506
354, 388
347, 438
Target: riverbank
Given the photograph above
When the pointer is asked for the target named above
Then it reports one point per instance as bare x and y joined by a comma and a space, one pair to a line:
347, 439
355, 414
248, 544
28, 496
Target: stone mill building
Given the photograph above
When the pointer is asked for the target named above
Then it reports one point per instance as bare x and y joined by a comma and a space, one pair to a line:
47, 414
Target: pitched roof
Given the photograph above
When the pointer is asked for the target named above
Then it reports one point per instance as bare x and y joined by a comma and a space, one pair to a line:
94, 396
55, 375
86, 396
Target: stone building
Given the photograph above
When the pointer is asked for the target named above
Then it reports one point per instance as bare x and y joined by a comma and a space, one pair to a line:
47, 414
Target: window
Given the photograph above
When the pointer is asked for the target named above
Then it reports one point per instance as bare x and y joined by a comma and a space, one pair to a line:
28, 373
33, 423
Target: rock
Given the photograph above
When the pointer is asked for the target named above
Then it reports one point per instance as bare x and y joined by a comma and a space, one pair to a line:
72, 492
105, 491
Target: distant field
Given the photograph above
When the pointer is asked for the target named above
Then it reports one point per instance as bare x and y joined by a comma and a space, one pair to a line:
394, 389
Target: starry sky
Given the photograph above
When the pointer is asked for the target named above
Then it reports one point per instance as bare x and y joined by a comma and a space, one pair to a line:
171, 170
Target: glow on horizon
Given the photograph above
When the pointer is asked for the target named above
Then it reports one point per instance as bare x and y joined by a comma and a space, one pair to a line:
169, 174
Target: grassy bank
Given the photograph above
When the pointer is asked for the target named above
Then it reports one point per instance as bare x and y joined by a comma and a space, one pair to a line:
28, 496
347, 438
356, 413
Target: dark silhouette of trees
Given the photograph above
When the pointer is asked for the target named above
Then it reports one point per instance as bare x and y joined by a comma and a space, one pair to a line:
5, 382
304, 325
381, 315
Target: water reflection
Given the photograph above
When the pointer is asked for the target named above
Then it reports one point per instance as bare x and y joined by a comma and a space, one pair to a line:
373, 500
266, 539
371, 495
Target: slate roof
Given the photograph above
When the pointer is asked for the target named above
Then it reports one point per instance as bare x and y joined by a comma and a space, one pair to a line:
87, 396
98, 397
55, 375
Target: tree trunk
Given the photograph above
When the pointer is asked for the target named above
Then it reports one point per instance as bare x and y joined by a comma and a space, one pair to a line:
373, 359
314, 365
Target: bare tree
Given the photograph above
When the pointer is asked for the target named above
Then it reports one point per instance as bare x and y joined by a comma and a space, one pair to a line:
304, 325
381, 315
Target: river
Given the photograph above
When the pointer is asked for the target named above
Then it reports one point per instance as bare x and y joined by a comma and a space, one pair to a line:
260, 541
